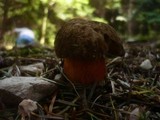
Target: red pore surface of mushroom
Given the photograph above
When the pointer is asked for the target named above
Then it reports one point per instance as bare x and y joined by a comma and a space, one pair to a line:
84, 45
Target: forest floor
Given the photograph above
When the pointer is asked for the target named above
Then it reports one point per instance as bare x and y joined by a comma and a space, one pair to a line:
130, 91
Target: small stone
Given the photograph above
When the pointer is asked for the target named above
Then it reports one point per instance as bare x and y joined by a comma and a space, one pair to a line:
57, 77
146, 64
26, 107
14, 89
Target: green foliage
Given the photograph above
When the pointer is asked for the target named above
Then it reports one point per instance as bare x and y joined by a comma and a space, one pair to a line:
146, 19
113, 4
149, 11
31, 13
73, 8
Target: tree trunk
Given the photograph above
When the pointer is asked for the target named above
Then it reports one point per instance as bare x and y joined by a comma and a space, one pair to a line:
130, 18
44, 25
4, 19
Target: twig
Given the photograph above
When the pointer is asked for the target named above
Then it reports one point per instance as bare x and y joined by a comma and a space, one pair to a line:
65, 109
68, 80
115, 112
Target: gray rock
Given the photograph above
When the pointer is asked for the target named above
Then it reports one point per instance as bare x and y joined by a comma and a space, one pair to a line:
33, 88
146, 64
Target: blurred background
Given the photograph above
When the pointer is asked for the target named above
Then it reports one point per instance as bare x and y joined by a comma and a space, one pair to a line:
134, 20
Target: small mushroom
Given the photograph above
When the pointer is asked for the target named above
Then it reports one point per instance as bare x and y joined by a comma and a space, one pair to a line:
84, 45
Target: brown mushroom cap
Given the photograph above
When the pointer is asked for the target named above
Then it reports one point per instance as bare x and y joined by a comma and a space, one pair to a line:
79, 38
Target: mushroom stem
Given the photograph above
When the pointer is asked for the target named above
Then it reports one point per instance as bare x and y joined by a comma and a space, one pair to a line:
84, 71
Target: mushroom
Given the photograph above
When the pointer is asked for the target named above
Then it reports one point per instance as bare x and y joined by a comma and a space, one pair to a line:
84, 45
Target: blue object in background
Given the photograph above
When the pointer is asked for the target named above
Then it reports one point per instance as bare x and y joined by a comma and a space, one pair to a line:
25, 37
24, 40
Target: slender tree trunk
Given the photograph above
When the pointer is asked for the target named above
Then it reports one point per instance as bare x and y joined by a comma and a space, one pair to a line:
4, 19
130, 18
44, 25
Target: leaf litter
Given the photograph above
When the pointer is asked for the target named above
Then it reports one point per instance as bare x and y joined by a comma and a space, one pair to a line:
128, 92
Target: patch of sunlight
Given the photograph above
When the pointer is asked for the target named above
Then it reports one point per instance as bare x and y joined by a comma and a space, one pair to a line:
121, 18
82, 1
69, 1
64, 16
9, 46
99, 20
